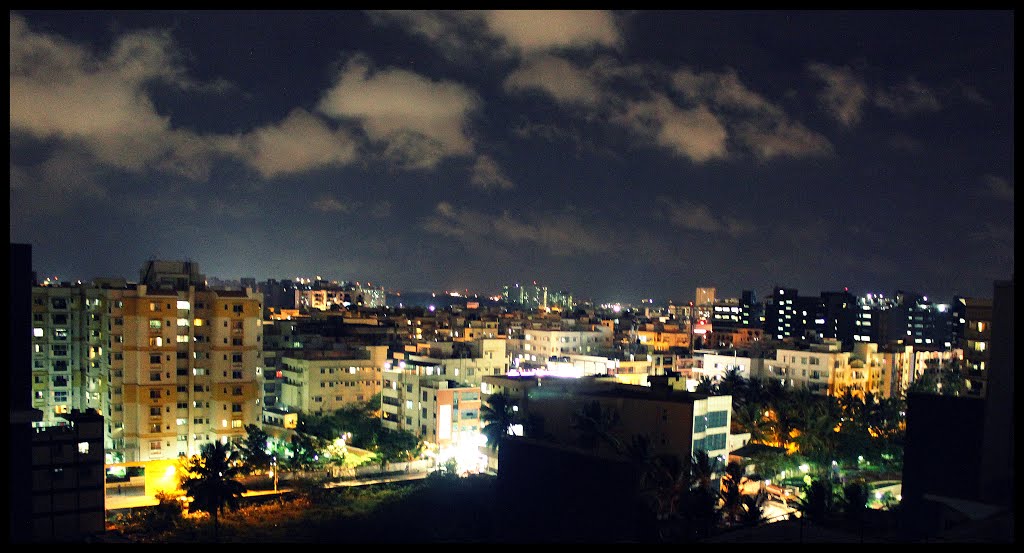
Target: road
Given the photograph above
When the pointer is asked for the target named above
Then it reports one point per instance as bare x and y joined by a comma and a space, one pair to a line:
117, 502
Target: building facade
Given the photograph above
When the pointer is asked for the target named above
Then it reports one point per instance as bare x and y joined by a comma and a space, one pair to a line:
323, 381
186, 365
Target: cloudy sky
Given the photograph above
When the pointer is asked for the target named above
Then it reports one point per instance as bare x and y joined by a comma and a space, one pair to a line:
617, 155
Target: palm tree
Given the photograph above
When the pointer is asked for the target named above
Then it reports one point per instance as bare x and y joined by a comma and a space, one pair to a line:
752, 511
818, 503
702, 469
665, 483
211, 481
731, 494
749, 417
595, 424
733, 384
706, 386
498, 414
855, 500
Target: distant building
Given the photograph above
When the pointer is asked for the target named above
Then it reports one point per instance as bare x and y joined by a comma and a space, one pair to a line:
836, 318
538, 344
535, 296
734, 313
972, 327
704, 301
327, 297
788, 315
824, 370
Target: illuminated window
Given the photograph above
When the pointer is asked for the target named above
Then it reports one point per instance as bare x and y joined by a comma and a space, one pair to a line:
37, 332
83, 447
182, 304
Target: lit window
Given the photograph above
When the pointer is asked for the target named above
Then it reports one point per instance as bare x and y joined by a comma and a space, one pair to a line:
37, 332
83, 447
198, 322
182, 304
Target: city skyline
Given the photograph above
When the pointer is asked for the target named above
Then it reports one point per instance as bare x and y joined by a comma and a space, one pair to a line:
617, 155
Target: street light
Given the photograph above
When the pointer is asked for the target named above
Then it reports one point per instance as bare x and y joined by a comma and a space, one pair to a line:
274, 470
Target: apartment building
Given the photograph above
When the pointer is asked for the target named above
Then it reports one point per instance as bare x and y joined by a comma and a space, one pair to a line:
663, 336
323, 381
823, 369
68, 497
186, 365
421, 396
538, 344
324, 297
70, 348
675, 422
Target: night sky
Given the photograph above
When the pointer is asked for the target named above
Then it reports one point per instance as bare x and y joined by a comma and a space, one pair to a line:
617, 155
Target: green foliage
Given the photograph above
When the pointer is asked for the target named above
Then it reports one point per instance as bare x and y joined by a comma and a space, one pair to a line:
594, 425
163, 518
855, 500
305, 452
253, 450
819, 502
211, 480
752, 512
497, 415
397, 445
706, 386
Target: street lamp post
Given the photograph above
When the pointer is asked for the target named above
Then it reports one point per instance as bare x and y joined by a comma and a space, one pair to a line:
274, 464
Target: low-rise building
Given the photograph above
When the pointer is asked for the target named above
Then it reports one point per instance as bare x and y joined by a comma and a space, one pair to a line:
326, 380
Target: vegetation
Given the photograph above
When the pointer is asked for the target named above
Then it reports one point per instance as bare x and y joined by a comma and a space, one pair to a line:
849, 432
498, 414
211, 481
319, 441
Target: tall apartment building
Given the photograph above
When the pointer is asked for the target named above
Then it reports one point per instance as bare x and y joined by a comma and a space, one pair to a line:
836, 318
535, 295
55, 475
972, 329
704, 299
71, 348
186, 365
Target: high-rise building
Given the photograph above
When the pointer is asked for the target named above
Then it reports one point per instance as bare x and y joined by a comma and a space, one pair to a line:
186, 364
704, 301
528, 295
55, 475
972, 327
71, 347
836, 318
